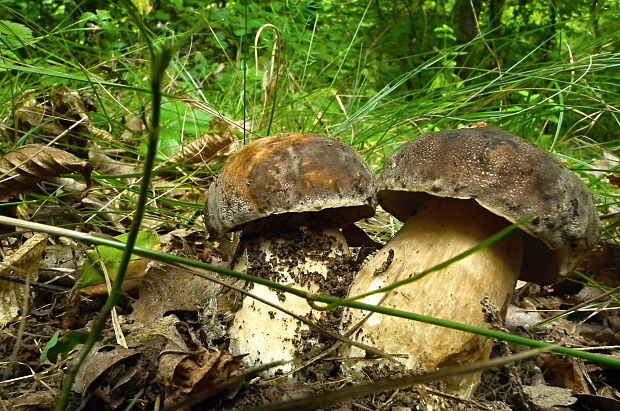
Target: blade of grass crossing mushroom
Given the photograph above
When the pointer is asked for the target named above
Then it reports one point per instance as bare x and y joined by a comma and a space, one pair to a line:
454, 190
356, 391
485, 244
304, 320
160, 256
289, 194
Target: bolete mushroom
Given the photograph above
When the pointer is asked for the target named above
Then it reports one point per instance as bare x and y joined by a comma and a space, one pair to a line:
290, 194
453, 190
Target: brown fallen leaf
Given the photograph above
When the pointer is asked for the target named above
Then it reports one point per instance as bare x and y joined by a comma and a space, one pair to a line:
98, 362
57, 113
134, 128
186, 368
563, 372
111, 374
116, 376
167, 289
547, 397
206, 148
602, 264
43, 400
24, 168
24, 262
107, 165
30, 112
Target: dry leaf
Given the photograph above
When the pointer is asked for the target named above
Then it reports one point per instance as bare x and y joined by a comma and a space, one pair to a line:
98, 362
563, 372
31, 113
547, 397
24, 168
198, 373
21, 264
186, 368
206, 148
106, 209
133, 128
165, 289
56, 113
43, 400
112, 375
106, 165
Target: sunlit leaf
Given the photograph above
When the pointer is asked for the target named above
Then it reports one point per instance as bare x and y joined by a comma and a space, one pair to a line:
110, 258
14, 35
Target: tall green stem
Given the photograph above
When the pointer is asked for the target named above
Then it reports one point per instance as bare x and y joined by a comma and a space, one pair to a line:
160, 60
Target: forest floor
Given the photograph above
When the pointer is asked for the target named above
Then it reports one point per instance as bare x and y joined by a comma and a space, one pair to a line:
174, 347
167, 345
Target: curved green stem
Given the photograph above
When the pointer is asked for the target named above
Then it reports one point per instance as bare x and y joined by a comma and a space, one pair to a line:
160, 61
157, 255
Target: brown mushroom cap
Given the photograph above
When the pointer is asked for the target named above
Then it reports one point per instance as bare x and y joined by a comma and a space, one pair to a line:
506, 175
291, 173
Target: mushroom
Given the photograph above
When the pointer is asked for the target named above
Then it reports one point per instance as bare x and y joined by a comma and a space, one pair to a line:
290, 194
453, 190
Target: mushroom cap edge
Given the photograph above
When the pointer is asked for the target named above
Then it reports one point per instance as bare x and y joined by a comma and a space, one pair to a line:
505, 174
291, 173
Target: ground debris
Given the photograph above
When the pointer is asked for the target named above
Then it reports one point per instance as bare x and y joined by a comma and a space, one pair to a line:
186, 368
177, 357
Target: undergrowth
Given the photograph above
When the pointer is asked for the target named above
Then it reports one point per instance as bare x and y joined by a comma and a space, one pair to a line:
374, 75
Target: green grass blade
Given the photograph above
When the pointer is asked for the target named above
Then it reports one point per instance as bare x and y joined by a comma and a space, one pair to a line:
164, 257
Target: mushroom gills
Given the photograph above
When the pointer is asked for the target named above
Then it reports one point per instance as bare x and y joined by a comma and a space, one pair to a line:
441, 229
302, 258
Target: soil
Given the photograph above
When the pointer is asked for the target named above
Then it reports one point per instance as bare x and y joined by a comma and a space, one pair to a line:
291, 247
205, 367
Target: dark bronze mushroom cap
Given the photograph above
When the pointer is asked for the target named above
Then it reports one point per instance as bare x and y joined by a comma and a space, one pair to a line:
291, 173
506, 175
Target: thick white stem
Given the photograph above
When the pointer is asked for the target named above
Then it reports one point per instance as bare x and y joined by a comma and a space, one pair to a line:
264, 333
441, 230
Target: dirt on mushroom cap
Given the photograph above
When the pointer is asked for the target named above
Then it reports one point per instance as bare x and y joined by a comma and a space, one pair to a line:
293, 172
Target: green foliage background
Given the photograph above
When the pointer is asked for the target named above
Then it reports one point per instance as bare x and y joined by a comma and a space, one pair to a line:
372, 73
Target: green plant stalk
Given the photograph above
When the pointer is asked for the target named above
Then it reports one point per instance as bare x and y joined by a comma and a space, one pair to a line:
160, 60
333, 301
489, 242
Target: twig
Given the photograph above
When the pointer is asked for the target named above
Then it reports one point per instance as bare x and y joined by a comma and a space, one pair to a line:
20, 330
34, 284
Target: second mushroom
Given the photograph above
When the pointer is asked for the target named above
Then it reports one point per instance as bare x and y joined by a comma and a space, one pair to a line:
290, 194
453, 190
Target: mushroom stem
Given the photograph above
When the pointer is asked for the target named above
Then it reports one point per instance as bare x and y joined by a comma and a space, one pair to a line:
440, 230
303, 258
